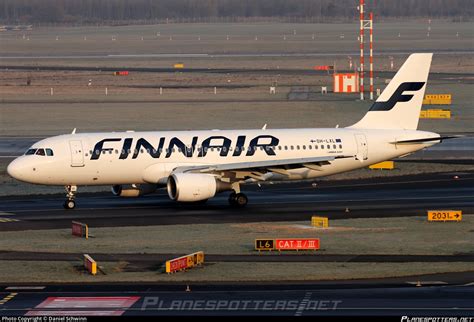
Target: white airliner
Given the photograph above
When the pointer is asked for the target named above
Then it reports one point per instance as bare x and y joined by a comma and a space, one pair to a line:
196, 165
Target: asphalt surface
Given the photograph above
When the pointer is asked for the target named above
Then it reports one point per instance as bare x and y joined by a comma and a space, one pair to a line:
389, 297
141, 262
381, 197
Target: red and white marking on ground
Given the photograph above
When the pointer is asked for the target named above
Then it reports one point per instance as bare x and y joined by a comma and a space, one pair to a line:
84, 306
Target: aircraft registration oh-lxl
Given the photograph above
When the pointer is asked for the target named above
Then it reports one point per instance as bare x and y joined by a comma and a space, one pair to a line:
196, 165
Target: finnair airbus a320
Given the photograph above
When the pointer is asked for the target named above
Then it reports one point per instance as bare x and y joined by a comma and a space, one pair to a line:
196, 165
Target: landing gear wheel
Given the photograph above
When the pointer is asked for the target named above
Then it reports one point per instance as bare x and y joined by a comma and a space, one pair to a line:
70, 195
232, 201
69, 204
240, 200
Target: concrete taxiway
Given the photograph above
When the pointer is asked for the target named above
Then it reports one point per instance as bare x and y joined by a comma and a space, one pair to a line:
379, 197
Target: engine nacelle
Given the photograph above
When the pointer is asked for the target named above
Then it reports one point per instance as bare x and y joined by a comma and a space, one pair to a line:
133, 190
191, 187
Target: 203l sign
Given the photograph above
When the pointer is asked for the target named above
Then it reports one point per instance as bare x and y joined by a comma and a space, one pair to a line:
444, 215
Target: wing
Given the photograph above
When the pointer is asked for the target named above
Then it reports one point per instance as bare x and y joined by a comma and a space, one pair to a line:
257, 169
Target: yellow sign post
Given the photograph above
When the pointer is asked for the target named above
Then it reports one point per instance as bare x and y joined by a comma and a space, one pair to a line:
320, 222
385, 165
90, 264
184, 262
437, 99
444, 215
435, 114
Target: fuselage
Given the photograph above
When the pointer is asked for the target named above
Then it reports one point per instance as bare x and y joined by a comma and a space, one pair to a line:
118, 158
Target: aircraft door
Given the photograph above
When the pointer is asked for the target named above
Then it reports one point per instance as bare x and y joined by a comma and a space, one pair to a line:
77, 154
362, 147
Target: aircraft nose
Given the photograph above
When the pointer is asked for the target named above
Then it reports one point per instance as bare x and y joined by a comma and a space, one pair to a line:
13, 169
18, 169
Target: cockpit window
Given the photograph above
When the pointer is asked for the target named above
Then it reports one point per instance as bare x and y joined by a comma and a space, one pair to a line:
49, 152
30, 151
40, 152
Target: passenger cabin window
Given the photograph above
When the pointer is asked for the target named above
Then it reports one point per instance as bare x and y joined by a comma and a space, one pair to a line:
30, 151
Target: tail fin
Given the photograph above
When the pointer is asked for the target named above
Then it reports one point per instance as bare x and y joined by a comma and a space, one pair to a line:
400, 103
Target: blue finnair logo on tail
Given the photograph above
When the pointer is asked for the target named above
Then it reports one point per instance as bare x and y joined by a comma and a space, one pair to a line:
398, 96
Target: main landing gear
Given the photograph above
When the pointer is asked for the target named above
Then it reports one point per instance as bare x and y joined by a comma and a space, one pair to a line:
70, 195
238, 200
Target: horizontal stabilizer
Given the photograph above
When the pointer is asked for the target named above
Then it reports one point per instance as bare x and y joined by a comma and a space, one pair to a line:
426, 140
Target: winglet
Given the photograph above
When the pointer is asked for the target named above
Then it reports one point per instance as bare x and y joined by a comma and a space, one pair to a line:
73, 131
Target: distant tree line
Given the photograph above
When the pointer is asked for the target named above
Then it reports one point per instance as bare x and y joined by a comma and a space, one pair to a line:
97, 11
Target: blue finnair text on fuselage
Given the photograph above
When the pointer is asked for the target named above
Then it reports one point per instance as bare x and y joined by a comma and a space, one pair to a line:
222, 143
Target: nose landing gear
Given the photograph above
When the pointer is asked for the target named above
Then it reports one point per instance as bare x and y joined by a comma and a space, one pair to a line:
70, 195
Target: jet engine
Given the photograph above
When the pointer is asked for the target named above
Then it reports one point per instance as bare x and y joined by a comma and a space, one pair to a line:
192, 187
135, 190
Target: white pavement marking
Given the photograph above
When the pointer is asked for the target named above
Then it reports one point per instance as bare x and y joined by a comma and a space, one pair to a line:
303, 304
426, 283
24, 288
